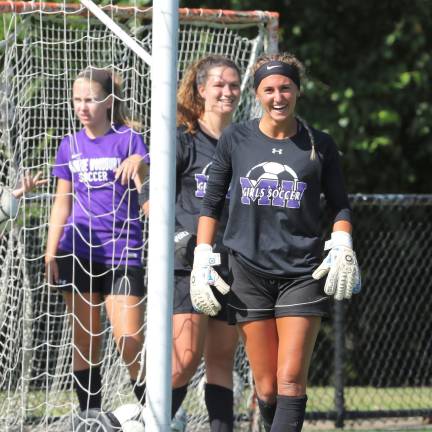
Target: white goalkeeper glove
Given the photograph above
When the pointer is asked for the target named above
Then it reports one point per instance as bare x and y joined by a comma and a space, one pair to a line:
340, 266
203, 275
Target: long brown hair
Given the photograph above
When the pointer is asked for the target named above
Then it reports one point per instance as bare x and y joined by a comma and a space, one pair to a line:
190, 104
111, 84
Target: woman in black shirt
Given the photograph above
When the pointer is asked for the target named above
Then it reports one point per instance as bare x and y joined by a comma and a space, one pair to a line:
277, 167
207, 97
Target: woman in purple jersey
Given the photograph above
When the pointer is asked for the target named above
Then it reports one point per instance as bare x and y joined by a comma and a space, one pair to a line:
94, 245
206, 100
277, 167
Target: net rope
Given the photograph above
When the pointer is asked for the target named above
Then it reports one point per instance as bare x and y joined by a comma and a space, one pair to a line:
42, 53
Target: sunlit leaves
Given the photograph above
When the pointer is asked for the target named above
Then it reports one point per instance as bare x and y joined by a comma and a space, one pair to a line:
385, 117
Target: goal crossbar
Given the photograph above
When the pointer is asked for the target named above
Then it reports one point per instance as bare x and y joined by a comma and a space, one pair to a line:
185, 14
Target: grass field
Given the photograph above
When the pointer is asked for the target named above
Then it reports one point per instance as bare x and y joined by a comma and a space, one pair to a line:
414, 425
372, 398
321, 399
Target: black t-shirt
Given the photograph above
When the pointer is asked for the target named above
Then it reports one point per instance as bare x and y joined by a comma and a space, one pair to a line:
274, 207
194, 154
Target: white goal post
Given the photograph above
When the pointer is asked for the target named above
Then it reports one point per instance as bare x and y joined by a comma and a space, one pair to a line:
43, 47
161, 219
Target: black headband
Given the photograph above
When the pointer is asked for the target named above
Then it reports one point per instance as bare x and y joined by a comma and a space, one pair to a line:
276, 67
101, 76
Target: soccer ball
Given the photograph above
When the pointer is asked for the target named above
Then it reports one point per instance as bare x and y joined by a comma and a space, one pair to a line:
94, 420
128, 412
130, 417
272, 171
126, 418
8, 206
133, 426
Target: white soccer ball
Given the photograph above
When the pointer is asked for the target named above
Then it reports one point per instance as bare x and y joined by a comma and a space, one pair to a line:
8, 205
128, 412
133, 426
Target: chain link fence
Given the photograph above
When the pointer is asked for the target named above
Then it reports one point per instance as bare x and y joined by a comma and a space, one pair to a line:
373, 359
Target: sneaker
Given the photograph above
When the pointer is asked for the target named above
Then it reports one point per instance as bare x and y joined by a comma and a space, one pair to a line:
179, 421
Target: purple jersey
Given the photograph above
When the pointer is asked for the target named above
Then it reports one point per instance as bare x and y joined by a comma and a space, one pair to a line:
104, 222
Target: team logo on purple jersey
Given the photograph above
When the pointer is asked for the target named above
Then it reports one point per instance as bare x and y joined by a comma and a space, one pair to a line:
272, 184
201, 182
99, 169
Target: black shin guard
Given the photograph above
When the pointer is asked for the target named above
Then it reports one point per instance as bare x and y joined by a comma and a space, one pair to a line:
139, 390
88, 387
290, 412
219, 402
178, 395
267, 413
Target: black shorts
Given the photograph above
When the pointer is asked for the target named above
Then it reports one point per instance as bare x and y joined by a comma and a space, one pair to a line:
74, 275
253, 297
182, 299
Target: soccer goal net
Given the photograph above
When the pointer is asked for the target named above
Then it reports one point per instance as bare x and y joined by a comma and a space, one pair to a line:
43, 48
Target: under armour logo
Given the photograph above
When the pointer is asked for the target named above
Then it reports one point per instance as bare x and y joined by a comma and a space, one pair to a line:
274, 151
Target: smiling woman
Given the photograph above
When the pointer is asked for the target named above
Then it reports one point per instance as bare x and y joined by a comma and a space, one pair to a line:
277, 87
277, 167
207, 98
220, 92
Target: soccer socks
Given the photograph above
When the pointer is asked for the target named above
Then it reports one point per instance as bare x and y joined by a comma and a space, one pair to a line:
267, 413
290, 412
178, 395
88, 387
219, 401
139, 390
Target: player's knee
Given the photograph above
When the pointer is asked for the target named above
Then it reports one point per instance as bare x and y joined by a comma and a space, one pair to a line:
130, 347
221, 362
88, 349
185, 370
182, 377
266, 389
220, 373
290, 385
